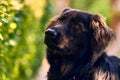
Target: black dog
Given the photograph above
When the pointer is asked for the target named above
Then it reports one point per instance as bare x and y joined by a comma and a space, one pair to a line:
76, 43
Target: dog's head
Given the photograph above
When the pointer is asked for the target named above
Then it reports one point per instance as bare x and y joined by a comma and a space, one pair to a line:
75, 31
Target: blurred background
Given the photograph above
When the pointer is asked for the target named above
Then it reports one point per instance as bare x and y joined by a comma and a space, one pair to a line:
22, 25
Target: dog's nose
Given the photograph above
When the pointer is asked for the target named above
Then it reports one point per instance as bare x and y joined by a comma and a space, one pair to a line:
51, 32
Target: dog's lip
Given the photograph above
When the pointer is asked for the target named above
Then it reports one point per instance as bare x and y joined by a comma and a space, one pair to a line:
53, 44
65, 50
57, 49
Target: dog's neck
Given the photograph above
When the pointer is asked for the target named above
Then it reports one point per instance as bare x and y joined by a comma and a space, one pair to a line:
80, 65
80, 68
69, 65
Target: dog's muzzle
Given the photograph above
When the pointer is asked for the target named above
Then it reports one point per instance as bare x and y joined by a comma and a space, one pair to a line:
51, 33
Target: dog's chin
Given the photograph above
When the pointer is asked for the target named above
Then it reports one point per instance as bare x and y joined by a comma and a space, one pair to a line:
54, 46
57, 49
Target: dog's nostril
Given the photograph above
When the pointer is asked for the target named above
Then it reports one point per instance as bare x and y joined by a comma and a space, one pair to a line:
51, 32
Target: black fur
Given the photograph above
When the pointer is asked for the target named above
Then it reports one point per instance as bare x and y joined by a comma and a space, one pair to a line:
76, 43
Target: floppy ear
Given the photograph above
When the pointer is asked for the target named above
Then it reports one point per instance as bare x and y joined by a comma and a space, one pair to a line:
65, 9
101, 34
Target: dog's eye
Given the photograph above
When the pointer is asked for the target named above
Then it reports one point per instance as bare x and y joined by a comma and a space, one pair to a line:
75, 27
78, 27
59, 20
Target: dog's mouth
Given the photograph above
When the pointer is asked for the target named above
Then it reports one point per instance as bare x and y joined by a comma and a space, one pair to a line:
57, 49
55, 45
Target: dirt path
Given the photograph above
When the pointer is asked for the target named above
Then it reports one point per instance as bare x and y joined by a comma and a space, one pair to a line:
114, 48
43, 71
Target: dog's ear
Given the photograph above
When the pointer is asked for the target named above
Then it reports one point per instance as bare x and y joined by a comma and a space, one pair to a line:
101, 34
65, 9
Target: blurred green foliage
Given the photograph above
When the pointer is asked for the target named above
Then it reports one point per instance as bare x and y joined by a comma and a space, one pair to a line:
102, 7
21, 39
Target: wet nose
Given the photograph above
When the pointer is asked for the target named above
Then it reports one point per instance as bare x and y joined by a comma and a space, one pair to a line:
51, 32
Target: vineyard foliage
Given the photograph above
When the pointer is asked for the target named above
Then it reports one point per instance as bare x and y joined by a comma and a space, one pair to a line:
21, 38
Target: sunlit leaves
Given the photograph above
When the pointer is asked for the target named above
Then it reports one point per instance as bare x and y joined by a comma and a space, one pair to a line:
4, 20
3, 12
13, 25
0, 23
16, 5
37, 6
1, 37
12, 42
21, 41
2, 9
3, 76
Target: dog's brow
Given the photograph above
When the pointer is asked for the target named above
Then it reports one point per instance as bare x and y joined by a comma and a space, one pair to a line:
75, 20
61, 18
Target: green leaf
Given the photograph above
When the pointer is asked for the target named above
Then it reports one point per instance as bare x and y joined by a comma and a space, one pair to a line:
4, 20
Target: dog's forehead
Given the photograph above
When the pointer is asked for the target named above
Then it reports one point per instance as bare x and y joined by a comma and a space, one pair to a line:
75, 13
